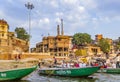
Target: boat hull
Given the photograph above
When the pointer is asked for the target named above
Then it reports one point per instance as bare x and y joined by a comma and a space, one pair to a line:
15, 74
70, 72
110, 70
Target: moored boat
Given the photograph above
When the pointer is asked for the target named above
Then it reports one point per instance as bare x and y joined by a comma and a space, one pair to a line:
13, 70
70, 72
16, 73
110, 70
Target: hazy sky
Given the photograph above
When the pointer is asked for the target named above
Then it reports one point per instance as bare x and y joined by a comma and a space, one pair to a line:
85, 16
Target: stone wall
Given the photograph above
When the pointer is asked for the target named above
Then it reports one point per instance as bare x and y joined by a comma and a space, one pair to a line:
38, 56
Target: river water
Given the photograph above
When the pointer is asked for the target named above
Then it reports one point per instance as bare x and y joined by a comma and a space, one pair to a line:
97, 77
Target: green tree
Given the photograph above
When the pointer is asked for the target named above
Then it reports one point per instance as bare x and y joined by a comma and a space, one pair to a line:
22, 34
81, 39
104, 46
117, 46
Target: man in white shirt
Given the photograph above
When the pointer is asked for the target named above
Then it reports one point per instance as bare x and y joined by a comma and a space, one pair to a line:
113, 65
80, 64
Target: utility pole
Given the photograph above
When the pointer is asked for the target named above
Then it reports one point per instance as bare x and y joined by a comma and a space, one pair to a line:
29, 6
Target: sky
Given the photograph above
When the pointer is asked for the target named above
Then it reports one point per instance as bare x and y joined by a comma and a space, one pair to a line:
79, 16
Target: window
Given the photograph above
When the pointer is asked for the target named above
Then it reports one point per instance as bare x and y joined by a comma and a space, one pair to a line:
2, 34
64, 54
59, 39
2, 27
60, 54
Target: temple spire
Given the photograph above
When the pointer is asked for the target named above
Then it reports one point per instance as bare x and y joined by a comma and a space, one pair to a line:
58, 30
62, 31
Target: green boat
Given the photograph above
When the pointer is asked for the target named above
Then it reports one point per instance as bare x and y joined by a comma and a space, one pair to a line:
13, 70
15, 74
110, 70
69, 72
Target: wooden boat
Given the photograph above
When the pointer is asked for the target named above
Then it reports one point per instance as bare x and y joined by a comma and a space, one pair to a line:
16, 73
13, 70
69, 72
109, 70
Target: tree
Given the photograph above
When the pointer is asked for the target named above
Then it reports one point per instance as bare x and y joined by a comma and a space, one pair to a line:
22, 34
81, 39
117, 46
104, 46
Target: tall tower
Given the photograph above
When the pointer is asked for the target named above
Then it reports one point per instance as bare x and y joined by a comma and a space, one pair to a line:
98, 37
62, 31
3, 29
58, 30
4, 37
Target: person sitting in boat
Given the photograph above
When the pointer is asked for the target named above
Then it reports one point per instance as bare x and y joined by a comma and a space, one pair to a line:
91, 63
95, 64
68, 65
64, 65
84, 64
113, 65
76, 64
108, 63
105, 65
101, 64
80, 64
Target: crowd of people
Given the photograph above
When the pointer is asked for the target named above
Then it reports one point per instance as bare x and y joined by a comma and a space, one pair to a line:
70, 64
112, 63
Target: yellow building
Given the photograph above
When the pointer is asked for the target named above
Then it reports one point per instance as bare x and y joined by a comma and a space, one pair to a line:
98, 37
93, 50
56, 45
59, 45
8, 42
89, 50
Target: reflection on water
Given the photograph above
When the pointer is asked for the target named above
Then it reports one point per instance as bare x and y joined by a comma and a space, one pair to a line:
97, 77
17, 81
102, 77
67, 79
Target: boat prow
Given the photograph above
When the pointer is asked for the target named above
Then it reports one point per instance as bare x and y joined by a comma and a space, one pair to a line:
109, 70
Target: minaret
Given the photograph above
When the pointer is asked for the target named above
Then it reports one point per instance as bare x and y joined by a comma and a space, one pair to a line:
58, 30
62, 31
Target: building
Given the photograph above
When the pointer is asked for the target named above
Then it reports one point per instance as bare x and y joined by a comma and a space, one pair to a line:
59, 45
116, 45
56, 45
98, 37
88, 50
93, 50
8, 41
